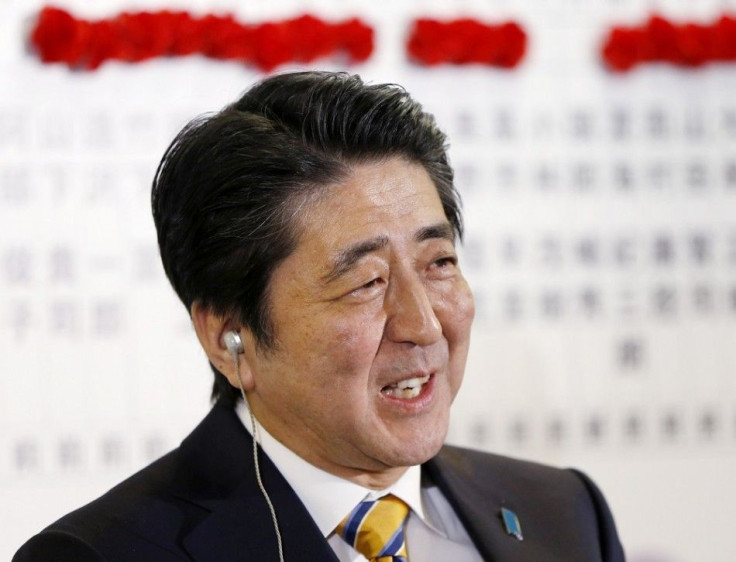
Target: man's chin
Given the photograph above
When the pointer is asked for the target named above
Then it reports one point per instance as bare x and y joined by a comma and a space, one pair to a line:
417, 452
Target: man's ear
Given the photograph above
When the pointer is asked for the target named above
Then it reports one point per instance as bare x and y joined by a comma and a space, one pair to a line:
210, 329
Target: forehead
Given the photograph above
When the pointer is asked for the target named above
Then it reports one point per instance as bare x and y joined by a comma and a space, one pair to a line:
391, 197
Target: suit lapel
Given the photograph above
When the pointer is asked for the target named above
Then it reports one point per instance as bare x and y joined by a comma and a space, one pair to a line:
477, 500
557, 515
238, 525
238, 530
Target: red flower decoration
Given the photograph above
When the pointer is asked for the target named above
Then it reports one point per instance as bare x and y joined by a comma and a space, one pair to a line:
659, 40
137, 36
61, 34
466, 41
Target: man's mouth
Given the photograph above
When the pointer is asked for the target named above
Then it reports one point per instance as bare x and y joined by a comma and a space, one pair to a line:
407, 389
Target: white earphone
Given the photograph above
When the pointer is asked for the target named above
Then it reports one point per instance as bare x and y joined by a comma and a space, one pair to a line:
232, 342
234, 346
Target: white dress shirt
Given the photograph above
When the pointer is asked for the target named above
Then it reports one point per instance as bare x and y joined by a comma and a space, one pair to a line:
433, 530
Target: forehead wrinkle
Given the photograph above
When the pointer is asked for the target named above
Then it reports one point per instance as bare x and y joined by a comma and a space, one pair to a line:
349, 256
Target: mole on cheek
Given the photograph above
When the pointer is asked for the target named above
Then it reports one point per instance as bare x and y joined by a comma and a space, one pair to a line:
346, 336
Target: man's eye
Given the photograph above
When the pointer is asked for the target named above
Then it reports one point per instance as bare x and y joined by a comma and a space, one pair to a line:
371, 283
446, 261
367, 288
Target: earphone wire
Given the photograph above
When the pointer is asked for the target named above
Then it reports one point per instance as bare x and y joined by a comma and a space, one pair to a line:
256, 464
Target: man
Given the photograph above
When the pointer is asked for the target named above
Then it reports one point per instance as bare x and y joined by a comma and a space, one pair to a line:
310, 230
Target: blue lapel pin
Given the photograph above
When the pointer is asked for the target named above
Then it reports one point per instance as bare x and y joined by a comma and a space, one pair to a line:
511, 522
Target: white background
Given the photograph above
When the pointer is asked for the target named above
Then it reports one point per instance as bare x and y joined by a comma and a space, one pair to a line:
601, 245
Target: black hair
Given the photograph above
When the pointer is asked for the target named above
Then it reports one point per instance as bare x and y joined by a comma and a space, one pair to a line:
228, 190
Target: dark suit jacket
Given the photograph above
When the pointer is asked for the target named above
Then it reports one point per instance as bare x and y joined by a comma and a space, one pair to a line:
201, 502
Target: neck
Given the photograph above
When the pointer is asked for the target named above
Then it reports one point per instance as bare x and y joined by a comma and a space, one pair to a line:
379, 480
378, 477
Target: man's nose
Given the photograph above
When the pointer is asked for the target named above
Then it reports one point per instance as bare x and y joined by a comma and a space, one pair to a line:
410, 313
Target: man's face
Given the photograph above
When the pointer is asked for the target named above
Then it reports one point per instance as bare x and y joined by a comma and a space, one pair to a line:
372, 322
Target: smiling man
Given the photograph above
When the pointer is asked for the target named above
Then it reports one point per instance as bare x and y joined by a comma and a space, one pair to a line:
310, 229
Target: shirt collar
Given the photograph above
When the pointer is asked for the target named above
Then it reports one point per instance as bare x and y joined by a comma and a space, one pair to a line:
327, 497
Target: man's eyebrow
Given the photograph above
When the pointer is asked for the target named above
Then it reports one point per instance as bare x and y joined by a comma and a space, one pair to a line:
349, 256
439, 230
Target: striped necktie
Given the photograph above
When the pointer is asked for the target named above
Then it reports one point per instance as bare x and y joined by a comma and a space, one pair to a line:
376, 529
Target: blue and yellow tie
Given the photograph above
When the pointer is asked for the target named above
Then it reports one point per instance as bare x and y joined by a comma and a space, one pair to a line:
376, 529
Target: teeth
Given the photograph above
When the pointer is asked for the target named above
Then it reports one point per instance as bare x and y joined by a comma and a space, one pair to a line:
406, 393
408, 388
410, 383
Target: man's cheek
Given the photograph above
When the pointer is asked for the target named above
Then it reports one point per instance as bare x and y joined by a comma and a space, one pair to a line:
360, 334
456, 312
466, 309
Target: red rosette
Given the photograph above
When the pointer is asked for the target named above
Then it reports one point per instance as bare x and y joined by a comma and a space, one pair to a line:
137, 36
273, 45
59, 37
355, 38
422, 45
141, 36
104, 44
660, 40
485, 47
187, 36
723, 40
466, 41
625, 48
514, 39
313, 38
461, 38
226, 38
693, 42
